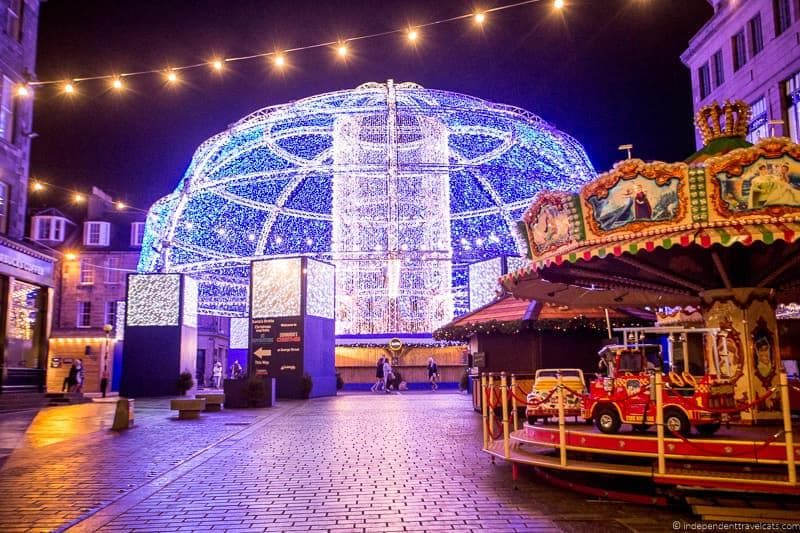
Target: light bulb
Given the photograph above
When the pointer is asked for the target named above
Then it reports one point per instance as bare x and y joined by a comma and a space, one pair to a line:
412, 35
342, 50
69, 88
23, 91
216, 64
558, 4
172, 76
117, 84
480, 18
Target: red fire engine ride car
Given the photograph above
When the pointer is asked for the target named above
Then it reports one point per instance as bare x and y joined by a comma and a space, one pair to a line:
693, 394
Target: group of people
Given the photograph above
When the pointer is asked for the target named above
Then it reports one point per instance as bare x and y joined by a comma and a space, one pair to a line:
385, 377
236, 372
74, 380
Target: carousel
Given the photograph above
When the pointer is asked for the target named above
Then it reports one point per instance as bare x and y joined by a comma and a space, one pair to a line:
714, 238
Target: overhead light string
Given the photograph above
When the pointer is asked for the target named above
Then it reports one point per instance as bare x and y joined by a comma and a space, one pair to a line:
76, 197
217, 64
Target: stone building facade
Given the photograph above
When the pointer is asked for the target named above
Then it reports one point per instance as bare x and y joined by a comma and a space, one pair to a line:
750, 50
26, 270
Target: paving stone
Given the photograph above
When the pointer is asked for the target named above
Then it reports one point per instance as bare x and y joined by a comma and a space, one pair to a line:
357, 462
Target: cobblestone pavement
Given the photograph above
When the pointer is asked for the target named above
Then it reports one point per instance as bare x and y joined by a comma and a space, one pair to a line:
357, 462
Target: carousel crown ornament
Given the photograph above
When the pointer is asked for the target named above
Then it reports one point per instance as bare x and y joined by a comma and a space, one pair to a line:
730, 119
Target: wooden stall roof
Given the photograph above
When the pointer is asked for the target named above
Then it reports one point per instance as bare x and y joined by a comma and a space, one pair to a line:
507, 308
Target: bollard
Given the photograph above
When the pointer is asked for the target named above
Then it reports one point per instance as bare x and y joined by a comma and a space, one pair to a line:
514, 402
490, 395
123, 415
484, 401
562, 430
504, 399
659, 386
787, 427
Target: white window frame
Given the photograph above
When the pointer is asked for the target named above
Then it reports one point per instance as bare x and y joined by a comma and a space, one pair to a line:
7, 110
56, 227
793, 106
137, 233
86, 272
110, 313
103, 233
112, 275
84, 312
14, 19
759, 123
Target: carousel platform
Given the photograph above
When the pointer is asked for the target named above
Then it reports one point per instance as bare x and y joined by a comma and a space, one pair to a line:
742, 460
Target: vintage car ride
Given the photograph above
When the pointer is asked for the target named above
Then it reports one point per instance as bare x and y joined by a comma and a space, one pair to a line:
693, 395
542, 401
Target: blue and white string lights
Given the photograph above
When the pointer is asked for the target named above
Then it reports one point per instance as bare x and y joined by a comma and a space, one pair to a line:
436, 181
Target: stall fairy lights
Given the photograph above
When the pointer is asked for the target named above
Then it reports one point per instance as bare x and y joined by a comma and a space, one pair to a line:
397, 185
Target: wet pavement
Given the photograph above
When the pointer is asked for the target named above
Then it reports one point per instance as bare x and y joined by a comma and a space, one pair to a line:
357, 462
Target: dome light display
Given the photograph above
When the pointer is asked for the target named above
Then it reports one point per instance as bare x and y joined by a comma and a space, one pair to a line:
399, 186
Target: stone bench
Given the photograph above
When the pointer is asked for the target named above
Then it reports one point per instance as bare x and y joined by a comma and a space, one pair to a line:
213, 400
187, 408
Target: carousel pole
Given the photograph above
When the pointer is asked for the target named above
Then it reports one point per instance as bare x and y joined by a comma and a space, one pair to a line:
490, 394
562, 430
787, 427
504, 399
514, 402
659, 384
484, 401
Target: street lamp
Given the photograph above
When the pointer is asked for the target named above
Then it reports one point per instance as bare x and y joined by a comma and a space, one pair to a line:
104, 376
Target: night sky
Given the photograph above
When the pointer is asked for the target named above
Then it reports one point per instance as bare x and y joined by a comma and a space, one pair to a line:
607, 72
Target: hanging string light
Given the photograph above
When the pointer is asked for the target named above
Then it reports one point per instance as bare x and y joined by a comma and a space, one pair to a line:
39, 186
217, 64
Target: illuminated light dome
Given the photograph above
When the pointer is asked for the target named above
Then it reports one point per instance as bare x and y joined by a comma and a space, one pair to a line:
400, 186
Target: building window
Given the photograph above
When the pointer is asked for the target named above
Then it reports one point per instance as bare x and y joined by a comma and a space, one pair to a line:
96, 233
3, 207
704, 79
739, 51
48, 228
14, 20
7, 110
84, 314
719, 69
758, 127
756, 36
793, 106
783, 15
110, 314
112, 272
137, 233
87, 272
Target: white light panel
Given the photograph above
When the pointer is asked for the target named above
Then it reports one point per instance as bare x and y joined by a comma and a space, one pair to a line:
320, 289
483, 283
189, 302
276, 287
239, 336
154, 299
119, 327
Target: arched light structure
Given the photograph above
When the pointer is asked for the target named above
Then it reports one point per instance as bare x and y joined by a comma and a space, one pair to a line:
398, 185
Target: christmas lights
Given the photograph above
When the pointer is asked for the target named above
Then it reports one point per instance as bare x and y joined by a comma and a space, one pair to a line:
399, 186
276, 287
153, 300
319, 289
239, 333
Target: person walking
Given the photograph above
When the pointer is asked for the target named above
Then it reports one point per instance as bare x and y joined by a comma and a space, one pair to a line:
236, 370
79, 377
378, 376
216, 374
433, 373
388, 376
71, 381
